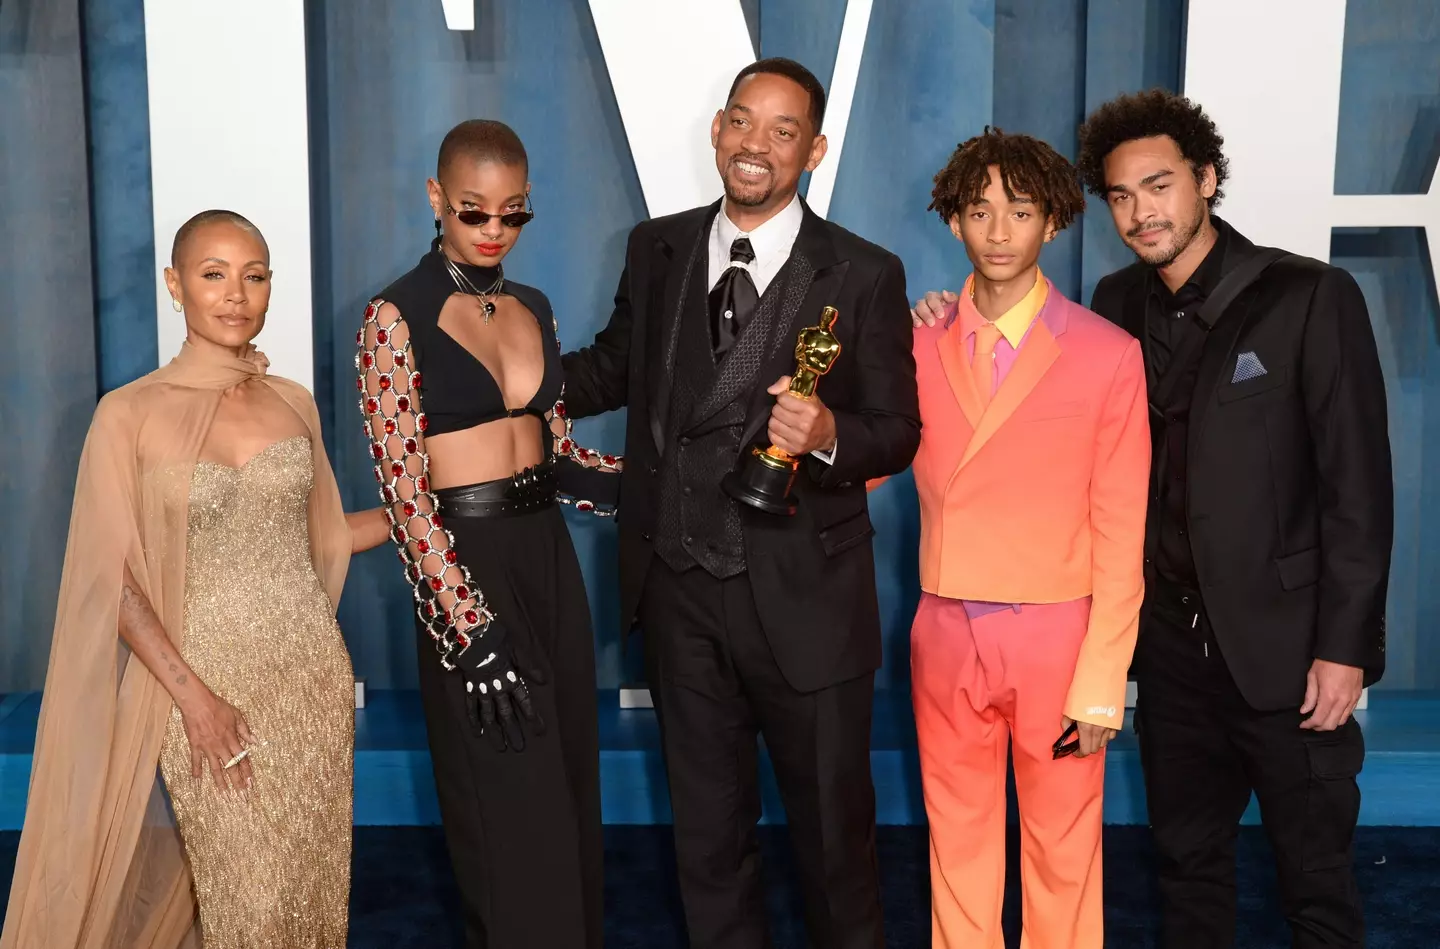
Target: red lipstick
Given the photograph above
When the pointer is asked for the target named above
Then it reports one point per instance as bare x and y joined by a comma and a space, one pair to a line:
489, 250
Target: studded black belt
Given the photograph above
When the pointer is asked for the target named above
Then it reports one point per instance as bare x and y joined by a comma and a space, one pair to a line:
532, 489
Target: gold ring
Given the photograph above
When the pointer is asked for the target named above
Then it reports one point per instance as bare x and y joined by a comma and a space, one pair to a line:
236, 760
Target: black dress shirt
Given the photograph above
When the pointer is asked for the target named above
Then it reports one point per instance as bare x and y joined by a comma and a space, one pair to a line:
1171, 319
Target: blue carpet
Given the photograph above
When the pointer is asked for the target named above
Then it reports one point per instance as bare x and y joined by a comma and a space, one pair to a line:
403, 889
1400, 785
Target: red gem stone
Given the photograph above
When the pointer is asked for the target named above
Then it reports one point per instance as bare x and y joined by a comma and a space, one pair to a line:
389, 492
399, 359
565, 446
382, 337
560, 408
434, 520
372, 405
379, 477
367, 360
402, 402
370, 311
423, 484
583, 454
400, 535
437, 584
607, 460
414, 380
472, 617
463, 592
389, 426
397, 469
423, 423
584, 505
360, 336
359, 384
423, 546
463, 640
385, 383
377, 451
411, 446
409, 509
450, 557
431, 610
414, 573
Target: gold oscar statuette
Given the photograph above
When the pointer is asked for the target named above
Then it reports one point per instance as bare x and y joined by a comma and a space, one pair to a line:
766, 475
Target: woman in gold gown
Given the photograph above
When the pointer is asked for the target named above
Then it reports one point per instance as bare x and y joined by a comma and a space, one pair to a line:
207, 532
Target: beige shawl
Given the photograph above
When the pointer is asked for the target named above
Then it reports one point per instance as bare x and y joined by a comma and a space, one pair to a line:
100, 864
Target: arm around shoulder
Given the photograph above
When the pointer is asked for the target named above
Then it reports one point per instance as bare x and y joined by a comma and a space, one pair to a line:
597, 376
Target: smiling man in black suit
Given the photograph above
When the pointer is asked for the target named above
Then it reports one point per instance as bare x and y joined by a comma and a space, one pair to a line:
758, 623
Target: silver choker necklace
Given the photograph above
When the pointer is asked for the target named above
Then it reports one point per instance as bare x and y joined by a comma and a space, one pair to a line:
465, 285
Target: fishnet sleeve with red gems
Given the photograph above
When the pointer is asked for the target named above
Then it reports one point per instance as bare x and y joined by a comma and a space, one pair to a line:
562, 428
447, 602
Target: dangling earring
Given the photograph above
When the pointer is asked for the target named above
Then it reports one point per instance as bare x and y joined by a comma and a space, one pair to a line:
437, 227
176, 304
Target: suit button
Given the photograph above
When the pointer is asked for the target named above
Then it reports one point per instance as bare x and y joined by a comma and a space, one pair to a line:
645, 536
654, 469
687, 491
688, 540
845, 484
684, 440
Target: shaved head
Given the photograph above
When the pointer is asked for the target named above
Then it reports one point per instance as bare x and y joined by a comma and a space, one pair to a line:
480, 141
204, 218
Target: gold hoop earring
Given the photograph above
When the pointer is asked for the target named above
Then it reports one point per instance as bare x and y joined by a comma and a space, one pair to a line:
176, 304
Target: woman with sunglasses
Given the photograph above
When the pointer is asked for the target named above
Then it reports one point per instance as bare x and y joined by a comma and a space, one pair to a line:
471, 472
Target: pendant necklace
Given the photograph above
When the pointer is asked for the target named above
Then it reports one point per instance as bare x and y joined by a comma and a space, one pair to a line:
464, 284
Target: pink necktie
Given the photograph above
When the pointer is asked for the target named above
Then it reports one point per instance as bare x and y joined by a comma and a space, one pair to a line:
982, 365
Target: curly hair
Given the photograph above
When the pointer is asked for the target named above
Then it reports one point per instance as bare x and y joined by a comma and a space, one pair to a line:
1028, 166
1147, 115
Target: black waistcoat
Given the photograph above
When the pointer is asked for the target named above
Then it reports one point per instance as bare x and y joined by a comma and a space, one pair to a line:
696, 521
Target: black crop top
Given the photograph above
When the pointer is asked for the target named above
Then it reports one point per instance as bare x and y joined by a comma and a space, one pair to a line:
460, 393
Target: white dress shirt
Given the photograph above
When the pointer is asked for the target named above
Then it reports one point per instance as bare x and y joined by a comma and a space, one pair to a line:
772, 243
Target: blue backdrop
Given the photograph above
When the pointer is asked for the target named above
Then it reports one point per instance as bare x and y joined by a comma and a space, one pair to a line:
387, 80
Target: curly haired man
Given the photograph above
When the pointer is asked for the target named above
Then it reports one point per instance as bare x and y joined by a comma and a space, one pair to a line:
1034, 454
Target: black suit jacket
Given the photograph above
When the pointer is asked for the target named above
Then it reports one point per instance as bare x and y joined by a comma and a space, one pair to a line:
1290, 503
813, 574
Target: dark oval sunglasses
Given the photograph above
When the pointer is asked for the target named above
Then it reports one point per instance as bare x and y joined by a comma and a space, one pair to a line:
515, 219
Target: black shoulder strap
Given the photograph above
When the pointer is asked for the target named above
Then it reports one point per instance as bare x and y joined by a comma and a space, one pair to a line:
1231, 286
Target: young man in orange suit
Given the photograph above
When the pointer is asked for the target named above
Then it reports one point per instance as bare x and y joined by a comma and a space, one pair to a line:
1032, 471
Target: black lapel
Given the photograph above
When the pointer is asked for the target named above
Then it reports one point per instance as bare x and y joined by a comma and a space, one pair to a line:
1219, 344
685, 246
801, 307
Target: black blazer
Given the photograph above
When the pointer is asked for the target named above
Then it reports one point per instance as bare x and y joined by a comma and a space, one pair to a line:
1290, 503
813, 574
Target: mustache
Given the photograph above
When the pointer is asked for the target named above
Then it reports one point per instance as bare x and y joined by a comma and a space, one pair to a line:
750, 160
1150, 226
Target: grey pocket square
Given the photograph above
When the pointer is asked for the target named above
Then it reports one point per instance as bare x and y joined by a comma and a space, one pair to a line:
1248, 366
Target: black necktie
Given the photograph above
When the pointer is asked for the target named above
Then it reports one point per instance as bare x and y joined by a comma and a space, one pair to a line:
733, 300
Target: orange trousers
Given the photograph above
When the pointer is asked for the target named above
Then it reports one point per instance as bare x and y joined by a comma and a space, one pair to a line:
980, 686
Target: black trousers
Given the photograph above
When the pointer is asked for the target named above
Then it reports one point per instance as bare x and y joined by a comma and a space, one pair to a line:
1204, 750
718, 689
523, 828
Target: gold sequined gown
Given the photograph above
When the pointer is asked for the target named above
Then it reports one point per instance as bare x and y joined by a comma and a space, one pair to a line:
272, 870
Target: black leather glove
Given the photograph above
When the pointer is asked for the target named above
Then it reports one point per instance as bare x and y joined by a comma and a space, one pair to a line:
497, 698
